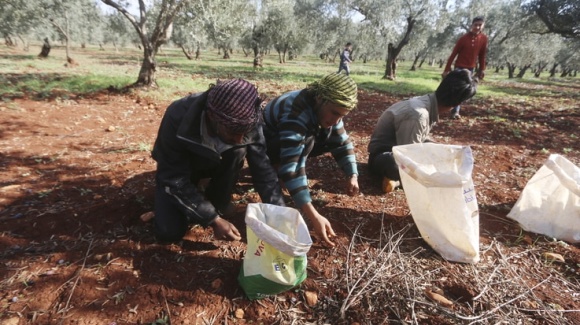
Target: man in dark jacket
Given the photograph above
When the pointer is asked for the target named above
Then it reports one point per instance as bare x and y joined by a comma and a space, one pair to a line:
207, 136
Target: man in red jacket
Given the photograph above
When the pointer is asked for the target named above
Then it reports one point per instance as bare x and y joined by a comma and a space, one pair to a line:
469, 50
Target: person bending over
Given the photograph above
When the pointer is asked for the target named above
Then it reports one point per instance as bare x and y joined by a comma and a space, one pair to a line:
410, 121
200, 149
306, 123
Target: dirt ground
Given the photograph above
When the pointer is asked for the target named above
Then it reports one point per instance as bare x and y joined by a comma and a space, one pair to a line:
76, 174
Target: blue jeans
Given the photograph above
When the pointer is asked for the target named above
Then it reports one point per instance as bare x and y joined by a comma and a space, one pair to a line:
383, 164
345, 67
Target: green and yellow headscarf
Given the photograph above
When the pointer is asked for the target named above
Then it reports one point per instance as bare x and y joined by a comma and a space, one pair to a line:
337, 88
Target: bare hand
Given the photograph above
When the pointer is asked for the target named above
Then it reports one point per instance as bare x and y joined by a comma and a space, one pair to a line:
223, 229
444, 74
352, 188
321, 225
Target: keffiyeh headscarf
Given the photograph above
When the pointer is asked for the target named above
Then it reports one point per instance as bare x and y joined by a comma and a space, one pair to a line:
337, 88
234, 104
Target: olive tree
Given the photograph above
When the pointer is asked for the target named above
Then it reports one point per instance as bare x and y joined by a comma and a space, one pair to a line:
567, 58
74, 20
559, 16
189, 33
224, 21
397, 20
282, 29
163, 13
17, 20
118, 30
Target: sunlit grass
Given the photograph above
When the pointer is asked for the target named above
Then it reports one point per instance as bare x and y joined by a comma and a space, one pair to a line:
22, 72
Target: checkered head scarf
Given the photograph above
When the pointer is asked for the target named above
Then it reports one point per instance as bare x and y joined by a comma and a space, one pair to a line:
235, 104
337, 88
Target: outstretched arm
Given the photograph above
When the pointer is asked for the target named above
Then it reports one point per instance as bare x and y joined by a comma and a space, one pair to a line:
352, 187
223, 229
320, 224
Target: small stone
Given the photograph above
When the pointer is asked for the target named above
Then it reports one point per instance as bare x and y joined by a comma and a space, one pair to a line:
311, 298
239, 313
145, 217
554, 257
103, 257
111, 129
438, 298
11, 321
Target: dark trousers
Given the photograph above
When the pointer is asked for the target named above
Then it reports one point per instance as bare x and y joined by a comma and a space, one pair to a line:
171, 218
383, 165
345, 67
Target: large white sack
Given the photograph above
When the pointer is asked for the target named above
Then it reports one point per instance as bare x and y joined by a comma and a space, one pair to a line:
550, 202
441, 196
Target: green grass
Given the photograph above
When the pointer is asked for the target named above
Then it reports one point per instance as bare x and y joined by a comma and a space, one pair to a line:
23, 73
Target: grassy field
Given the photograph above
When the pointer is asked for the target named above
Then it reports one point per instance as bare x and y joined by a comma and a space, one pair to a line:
176, 75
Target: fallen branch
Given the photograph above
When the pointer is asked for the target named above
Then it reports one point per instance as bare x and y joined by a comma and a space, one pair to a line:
77, 277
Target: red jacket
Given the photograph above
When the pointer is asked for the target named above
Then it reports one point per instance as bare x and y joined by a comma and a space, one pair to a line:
467, 49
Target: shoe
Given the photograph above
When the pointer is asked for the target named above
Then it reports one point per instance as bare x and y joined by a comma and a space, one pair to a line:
389, 185
456, 116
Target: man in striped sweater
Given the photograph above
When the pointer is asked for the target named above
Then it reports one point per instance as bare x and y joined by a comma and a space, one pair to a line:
307, 123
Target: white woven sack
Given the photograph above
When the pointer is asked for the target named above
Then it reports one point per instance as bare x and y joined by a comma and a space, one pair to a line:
550, 202
441, 196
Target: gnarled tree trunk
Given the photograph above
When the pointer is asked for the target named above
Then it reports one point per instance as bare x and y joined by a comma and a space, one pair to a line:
541, 67
147, 75
185, 52
162, 31
393, 52
511, 69
523, 70
553, 70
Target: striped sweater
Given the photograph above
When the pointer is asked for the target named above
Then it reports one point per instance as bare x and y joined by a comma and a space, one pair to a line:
291, 118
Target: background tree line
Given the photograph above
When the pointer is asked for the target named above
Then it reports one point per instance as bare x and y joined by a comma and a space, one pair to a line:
524, 35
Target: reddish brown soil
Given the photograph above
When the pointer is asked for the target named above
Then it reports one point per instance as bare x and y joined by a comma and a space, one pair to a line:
76, 175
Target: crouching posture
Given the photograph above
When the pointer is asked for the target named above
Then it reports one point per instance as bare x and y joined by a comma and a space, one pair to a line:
307, 123
205, 138
410, 121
